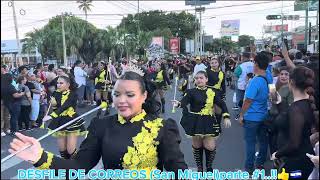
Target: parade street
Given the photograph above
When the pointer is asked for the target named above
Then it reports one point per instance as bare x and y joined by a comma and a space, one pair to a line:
230, 145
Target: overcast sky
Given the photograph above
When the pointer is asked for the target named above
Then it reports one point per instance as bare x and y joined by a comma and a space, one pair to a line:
252, 17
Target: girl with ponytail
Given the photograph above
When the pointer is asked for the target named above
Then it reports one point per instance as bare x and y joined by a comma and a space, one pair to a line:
294, 132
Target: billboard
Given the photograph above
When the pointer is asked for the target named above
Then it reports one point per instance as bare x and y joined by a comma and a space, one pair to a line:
230, 27
190, 46
275, 28
198, 2
158, 41
174, 45
300, 5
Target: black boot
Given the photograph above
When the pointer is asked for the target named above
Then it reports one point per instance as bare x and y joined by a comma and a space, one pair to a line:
64, 154
72, 155
163, 102
209, 159
198, 157
99, 111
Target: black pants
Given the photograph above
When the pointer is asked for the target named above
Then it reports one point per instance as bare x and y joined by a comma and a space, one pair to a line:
302, 164
24, 116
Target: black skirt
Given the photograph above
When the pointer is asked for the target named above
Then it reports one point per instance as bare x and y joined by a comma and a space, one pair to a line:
77, 128
197, 125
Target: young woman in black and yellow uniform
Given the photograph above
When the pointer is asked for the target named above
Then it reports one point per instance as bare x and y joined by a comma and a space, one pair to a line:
131, 139
162, 81
217, 81
200, 122
102, 85
64, 102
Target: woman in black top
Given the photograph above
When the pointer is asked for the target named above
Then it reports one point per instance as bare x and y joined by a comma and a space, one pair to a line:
200, 122
64, 102
11, 98
294, 132
131, 139
162, 81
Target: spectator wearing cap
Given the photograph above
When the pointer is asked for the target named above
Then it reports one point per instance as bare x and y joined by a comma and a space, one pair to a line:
199, 66
80, 77
241, 72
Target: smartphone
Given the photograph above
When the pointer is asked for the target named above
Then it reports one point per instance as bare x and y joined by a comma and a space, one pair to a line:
285, 41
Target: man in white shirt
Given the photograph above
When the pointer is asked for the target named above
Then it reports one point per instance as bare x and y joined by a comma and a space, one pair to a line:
80, 78
199, 66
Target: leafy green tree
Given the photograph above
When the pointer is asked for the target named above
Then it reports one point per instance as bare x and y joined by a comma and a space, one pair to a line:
245, 40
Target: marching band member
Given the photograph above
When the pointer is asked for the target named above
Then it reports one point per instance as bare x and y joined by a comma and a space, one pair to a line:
162, 81
131, 139
101, 85
200, 122
64, 103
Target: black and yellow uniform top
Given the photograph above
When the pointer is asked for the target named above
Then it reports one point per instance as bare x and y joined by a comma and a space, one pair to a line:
100, 78
64, 110
200, 119
217, 81
162, 79
145, 142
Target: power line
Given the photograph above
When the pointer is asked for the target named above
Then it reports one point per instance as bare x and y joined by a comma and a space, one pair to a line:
245, 12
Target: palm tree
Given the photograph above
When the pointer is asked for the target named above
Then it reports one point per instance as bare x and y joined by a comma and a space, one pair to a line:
85, 6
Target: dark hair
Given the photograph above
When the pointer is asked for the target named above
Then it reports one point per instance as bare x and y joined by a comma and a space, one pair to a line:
262, 60
71, 81
268, 54
246, 54
202, 72
39, 65
20, 79
303, 79
129, 75
51, 67
4, 66
265, 46
298, 55
216, 60
22, 68
151, 106
77, 62
250, 75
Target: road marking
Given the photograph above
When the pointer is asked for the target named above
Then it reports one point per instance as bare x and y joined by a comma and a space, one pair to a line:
10, 163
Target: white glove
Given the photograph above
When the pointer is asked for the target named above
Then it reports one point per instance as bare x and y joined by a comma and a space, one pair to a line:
314, 159
227, 123
46, 118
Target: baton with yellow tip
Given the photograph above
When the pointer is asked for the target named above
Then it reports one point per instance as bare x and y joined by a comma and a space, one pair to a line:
103, 105
175, 92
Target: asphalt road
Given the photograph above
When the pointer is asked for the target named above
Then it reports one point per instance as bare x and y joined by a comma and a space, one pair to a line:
230, 145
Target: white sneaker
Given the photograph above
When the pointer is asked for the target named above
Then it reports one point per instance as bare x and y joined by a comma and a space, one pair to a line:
8, 131
3, 134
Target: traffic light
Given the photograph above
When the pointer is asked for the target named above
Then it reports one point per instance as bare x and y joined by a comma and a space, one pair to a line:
273, 17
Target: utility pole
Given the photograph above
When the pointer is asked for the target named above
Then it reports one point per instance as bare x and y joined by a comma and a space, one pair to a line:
17, 34
309, 37
201, 31
196, 50
306, 26
64, 43
138, 26
317, 30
